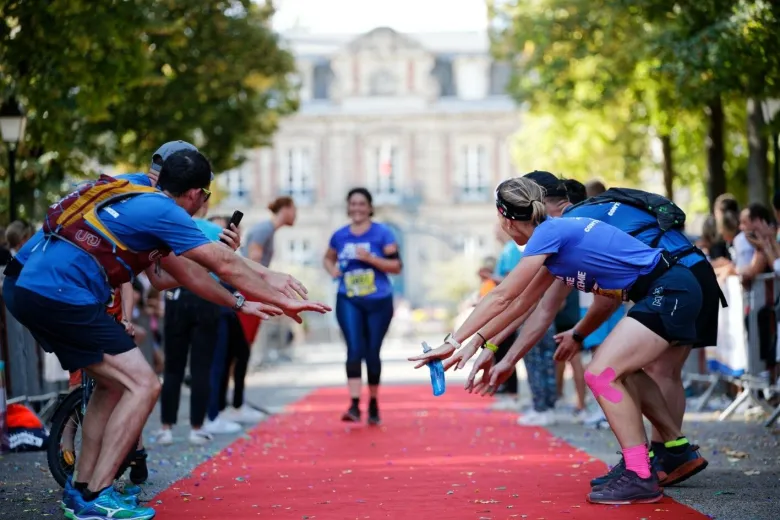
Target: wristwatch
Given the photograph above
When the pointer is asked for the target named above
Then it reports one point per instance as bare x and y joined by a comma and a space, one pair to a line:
576, 336
240, 300
451, 340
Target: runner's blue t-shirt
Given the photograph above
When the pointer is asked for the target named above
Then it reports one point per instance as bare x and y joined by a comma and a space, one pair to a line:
592, 256
359, 279
58, 270
211, 230
140, 179
629, 219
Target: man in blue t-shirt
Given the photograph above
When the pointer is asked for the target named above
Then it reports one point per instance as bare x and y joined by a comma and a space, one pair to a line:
666, 370
64, 283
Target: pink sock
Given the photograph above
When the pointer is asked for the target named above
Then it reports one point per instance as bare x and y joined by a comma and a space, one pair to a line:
637, 460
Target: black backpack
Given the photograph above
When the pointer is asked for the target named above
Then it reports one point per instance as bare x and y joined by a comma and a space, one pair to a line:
667, 213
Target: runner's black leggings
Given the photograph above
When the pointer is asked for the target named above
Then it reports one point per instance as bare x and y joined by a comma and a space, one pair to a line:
364, 323
191, 325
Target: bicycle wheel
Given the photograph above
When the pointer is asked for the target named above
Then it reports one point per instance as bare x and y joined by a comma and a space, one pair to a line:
67, 421
65, 434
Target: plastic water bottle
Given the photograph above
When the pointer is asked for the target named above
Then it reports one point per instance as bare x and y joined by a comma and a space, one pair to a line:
5, 445
437, 373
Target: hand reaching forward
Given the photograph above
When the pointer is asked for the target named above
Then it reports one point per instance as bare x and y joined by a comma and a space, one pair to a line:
264, 311
287, 285
293, 307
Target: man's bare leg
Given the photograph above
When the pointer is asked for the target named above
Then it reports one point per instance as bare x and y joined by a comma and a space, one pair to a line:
653, 405
666, 371
101, 403
140, 389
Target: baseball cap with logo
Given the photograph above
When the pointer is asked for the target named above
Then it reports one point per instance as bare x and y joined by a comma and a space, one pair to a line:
553, 186
167, 150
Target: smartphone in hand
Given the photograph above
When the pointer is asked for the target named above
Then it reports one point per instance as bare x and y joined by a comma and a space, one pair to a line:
235, 219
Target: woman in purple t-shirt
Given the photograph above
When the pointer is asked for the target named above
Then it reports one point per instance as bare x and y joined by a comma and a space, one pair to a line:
562, 254
360, 256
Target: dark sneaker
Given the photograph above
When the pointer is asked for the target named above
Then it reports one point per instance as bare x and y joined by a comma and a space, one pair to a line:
138, 470
373, 415
628, 489
613, 473
351, 415
675, 468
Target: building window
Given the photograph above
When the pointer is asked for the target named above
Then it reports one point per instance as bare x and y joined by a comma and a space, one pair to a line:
383, 83
299, 252
297, 180
473, 176
322, 78
383, 173
235, 185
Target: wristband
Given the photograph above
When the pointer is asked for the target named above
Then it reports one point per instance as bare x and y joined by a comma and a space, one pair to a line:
576, 336
491, 347
451, 340
484, 341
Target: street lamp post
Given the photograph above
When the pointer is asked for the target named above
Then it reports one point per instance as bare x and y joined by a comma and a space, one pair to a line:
12, 124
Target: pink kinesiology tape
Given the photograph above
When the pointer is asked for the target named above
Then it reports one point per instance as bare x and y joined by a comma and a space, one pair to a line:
600, 385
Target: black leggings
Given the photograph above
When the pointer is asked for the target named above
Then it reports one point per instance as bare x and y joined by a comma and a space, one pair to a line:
511, 386
238, 354
190, 322
364, 323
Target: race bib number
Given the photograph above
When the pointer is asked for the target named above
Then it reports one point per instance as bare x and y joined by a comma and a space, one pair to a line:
360, 282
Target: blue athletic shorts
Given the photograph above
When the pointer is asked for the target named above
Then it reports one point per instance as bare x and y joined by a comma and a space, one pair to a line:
671, 306
79, 335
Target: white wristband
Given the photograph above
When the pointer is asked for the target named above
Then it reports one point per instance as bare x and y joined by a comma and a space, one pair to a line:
451, 340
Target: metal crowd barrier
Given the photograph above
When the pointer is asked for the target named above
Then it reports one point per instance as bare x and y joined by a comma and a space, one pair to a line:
737, 357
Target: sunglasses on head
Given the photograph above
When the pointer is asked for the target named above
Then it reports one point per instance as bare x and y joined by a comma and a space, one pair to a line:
206, 192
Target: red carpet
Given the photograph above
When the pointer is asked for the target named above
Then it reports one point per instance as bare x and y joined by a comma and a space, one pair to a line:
446, 457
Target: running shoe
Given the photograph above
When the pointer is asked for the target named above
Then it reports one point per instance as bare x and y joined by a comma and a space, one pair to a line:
109, 505
373, 414
71, 494
628, 488
351, 415
612, 474
139, 473
674, 468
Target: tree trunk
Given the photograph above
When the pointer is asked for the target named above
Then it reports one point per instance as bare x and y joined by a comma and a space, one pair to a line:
716, 151
758, 149
666, 148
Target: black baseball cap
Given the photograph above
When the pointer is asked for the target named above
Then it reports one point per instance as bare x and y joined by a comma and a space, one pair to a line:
553, 186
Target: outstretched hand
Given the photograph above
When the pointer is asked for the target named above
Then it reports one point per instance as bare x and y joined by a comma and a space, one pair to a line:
264, 311
442, 352
287, 285
293, 307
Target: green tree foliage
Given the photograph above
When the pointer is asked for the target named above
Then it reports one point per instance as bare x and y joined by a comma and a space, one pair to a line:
601, 77
108, 82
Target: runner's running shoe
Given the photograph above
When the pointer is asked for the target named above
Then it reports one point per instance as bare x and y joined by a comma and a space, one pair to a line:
109, 505
71, 494
674, 468
628, 488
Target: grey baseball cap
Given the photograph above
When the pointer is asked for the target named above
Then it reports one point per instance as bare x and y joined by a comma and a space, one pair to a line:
167, 150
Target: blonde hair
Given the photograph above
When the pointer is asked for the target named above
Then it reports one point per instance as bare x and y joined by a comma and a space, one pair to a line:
524, 192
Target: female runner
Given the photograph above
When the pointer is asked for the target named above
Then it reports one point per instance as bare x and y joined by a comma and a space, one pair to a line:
590, 256
360, 256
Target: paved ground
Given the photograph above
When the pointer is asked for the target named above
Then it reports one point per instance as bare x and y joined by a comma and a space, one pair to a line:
736, 486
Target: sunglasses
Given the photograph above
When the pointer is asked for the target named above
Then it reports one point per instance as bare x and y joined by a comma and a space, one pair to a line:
207, 193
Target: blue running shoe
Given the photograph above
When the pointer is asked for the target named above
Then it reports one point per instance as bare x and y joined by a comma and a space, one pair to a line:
677, 467
109, 505
628, 488
69, 495
612, 474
